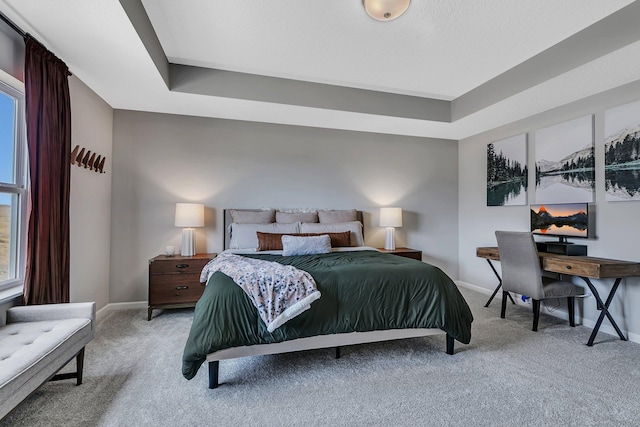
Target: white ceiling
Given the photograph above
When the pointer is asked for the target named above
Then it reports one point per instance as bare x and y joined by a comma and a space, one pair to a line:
440, 49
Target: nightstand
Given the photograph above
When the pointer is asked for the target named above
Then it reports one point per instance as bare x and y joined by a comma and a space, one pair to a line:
404, 252
174, 281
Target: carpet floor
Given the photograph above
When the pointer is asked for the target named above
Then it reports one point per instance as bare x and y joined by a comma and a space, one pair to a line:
507, 376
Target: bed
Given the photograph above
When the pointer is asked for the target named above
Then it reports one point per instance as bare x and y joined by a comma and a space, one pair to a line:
366, 296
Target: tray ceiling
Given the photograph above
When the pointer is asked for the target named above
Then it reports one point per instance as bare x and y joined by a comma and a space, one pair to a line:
446, 69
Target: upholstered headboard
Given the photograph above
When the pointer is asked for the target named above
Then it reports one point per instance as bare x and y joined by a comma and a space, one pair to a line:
228, 221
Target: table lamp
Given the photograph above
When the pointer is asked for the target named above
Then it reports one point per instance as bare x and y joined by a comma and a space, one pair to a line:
390, 218
188, 216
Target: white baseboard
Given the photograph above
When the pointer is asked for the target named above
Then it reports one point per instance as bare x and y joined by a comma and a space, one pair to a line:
561, 314
477, 288
557, 313
100, 314
633, 337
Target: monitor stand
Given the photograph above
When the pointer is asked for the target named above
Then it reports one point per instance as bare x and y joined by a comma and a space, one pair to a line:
562, 247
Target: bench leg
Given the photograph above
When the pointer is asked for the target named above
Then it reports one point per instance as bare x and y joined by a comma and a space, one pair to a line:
79, 368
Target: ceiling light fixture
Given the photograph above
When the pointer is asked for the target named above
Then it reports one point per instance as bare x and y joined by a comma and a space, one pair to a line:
385, 10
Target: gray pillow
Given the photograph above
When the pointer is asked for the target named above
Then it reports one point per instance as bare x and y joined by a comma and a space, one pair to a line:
331, 217
253, 217
298, 245
290, 218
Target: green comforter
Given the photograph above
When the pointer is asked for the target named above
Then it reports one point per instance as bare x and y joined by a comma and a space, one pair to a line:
361, 291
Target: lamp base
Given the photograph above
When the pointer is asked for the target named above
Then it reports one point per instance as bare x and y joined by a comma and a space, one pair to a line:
390, 239
188, 242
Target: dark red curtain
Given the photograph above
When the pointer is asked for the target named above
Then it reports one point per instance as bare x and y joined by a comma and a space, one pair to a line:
48, 117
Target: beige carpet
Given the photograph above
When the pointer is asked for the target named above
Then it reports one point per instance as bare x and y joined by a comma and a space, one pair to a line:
507, 376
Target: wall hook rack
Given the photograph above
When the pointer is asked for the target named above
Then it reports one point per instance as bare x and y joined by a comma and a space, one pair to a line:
87, 160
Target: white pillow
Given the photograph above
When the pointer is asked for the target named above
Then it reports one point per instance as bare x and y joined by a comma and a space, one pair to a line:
355, 227
243, 236
309, 245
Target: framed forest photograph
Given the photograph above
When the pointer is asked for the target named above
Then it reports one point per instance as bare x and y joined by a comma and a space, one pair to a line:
622, 152
565, 162
507, 171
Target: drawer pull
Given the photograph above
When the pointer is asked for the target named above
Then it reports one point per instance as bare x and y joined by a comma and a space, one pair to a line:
182, 265
568, 267
181, 288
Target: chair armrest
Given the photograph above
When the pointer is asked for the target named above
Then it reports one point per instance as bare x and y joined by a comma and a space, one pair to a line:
35, 313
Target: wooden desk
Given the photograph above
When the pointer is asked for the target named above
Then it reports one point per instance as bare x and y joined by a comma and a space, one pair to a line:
586, 268
491, 253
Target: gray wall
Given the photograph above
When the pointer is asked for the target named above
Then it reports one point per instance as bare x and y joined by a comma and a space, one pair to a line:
90, 201
616, 225
163, 159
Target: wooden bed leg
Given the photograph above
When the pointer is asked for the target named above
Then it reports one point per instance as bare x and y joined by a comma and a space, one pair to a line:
213, 374
337, 352
450, 342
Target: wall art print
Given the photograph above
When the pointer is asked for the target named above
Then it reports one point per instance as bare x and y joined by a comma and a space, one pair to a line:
565, 162
622, 152
507, 172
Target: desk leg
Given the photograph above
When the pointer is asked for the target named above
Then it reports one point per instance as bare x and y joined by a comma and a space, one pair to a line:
605, 309
498, 287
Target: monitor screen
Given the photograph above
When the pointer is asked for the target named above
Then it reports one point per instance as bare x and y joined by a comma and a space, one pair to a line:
560, 220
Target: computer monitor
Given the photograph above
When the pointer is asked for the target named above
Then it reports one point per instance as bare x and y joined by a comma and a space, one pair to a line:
560, 220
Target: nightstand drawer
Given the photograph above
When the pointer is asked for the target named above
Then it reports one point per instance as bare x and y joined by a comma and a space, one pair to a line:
417, 255
178, 266
174, 281
175, 289
403, 252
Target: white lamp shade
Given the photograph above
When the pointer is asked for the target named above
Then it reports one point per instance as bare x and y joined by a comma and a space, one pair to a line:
390, 217
189, 215
385, 10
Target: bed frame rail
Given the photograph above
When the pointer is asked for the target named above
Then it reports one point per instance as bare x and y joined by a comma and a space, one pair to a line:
318, 342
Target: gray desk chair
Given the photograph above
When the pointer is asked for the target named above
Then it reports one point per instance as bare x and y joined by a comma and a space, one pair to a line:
521, 273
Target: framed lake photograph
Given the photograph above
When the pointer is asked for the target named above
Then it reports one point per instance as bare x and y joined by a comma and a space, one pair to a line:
622, 152
507, 172
565, 162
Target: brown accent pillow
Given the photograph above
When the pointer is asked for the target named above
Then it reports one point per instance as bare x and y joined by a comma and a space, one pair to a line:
273, 241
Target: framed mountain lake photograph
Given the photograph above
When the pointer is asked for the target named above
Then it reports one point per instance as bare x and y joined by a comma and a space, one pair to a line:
622, 152
565, 162
507, 172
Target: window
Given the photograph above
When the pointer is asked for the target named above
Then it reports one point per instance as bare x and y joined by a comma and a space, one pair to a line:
12, 185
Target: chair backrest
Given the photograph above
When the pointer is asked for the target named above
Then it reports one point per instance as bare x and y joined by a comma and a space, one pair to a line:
521, 271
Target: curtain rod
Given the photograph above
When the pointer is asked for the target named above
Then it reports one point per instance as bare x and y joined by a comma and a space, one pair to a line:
20, 31
13, 26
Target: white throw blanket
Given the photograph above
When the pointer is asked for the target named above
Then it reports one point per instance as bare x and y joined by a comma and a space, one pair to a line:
279, 292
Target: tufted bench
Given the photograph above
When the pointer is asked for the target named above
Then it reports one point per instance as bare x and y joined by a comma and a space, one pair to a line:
37, 342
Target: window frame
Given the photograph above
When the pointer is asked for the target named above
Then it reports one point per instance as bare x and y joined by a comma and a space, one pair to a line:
14, 88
